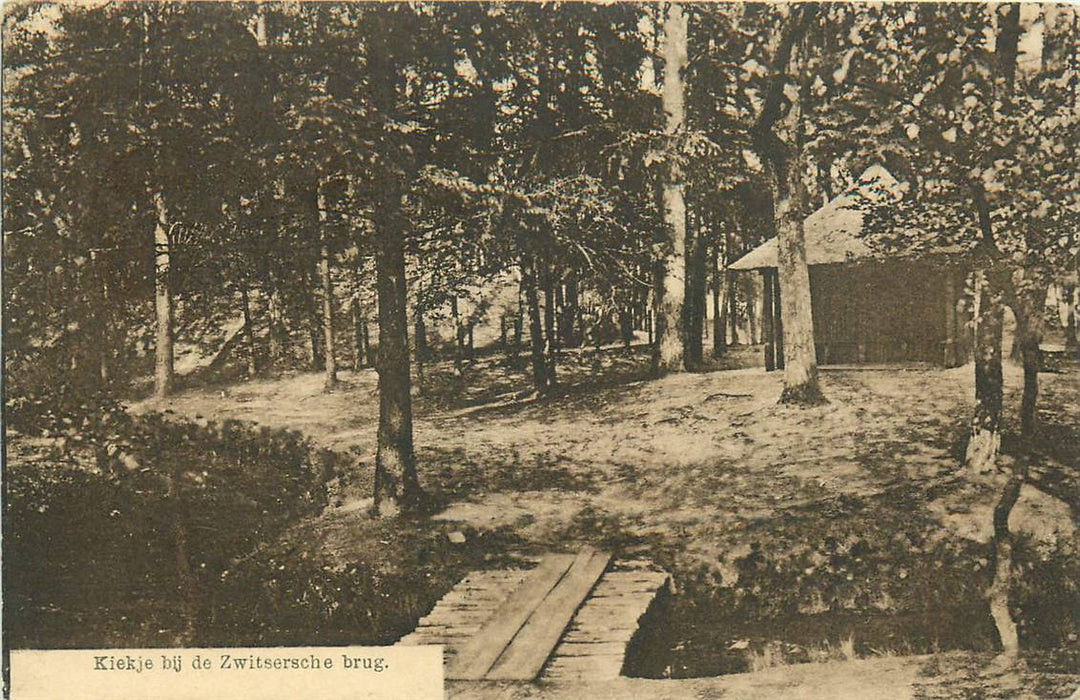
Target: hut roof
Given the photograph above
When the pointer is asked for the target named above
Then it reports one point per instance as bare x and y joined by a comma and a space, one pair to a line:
832, 232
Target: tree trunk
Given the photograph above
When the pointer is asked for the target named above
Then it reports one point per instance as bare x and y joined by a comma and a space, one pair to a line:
985, 437
459, 338
793, 275
778, 323
316, 360
275, 322
359, 346
769, 315
519, 320
750, 292
163, 349
1071, 342
187, 584
329, 361
422, 350
719, 339
732, 305
420, 343
249, 333
561, 316
693, 313
397, 486
998, 593
536, 333
550, 336
626, 327
1029, 310
785, 166
532, 301
572, 314
369, 356
671, 268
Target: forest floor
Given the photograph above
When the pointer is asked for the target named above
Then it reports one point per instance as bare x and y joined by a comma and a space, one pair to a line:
789, 530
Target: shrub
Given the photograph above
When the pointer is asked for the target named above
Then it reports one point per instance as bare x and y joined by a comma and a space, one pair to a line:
122, 535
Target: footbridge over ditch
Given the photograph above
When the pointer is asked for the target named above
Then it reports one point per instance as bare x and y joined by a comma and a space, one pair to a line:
570, 617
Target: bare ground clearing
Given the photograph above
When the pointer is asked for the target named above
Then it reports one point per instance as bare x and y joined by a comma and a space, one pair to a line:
849, 510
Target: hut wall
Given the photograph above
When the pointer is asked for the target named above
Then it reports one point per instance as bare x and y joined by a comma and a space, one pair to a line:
880, 312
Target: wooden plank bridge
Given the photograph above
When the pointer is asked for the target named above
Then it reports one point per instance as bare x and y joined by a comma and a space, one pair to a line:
570, 617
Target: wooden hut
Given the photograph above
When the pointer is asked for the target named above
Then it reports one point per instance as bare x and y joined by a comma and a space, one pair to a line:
868, 306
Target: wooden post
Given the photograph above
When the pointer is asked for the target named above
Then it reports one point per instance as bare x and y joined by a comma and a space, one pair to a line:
718, 340
778, 322
767, 319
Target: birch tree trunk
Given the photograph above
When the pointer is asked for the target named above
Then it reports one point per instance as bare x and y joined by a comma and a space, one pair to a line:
671, 268
163, 348
800, 361
551, 345
329, 361
785, 167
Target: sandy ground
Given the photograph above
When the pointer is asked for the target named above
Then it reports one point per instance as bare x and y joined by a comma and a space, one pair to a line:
952, 675
693, 462
658, 454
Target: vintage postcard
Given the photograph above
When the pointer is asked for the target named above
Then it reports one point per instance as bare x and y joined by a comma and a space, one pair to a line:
540, 349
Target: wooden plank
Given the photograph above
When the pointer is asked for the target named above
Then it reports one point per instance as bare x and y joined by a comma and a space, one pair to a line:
568, 648
456, 631
608, 636
637, 600
530, 649
494, 595
464, 611
623, 577
478, 656
602, 618
586, 667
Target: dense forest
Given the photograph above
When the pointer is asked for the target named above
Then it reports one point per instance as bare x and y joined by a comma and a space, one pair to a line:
327, 186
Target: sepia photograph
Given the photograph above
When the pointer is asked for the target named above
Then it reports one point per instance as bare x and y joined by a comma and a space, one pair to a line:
528, 349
